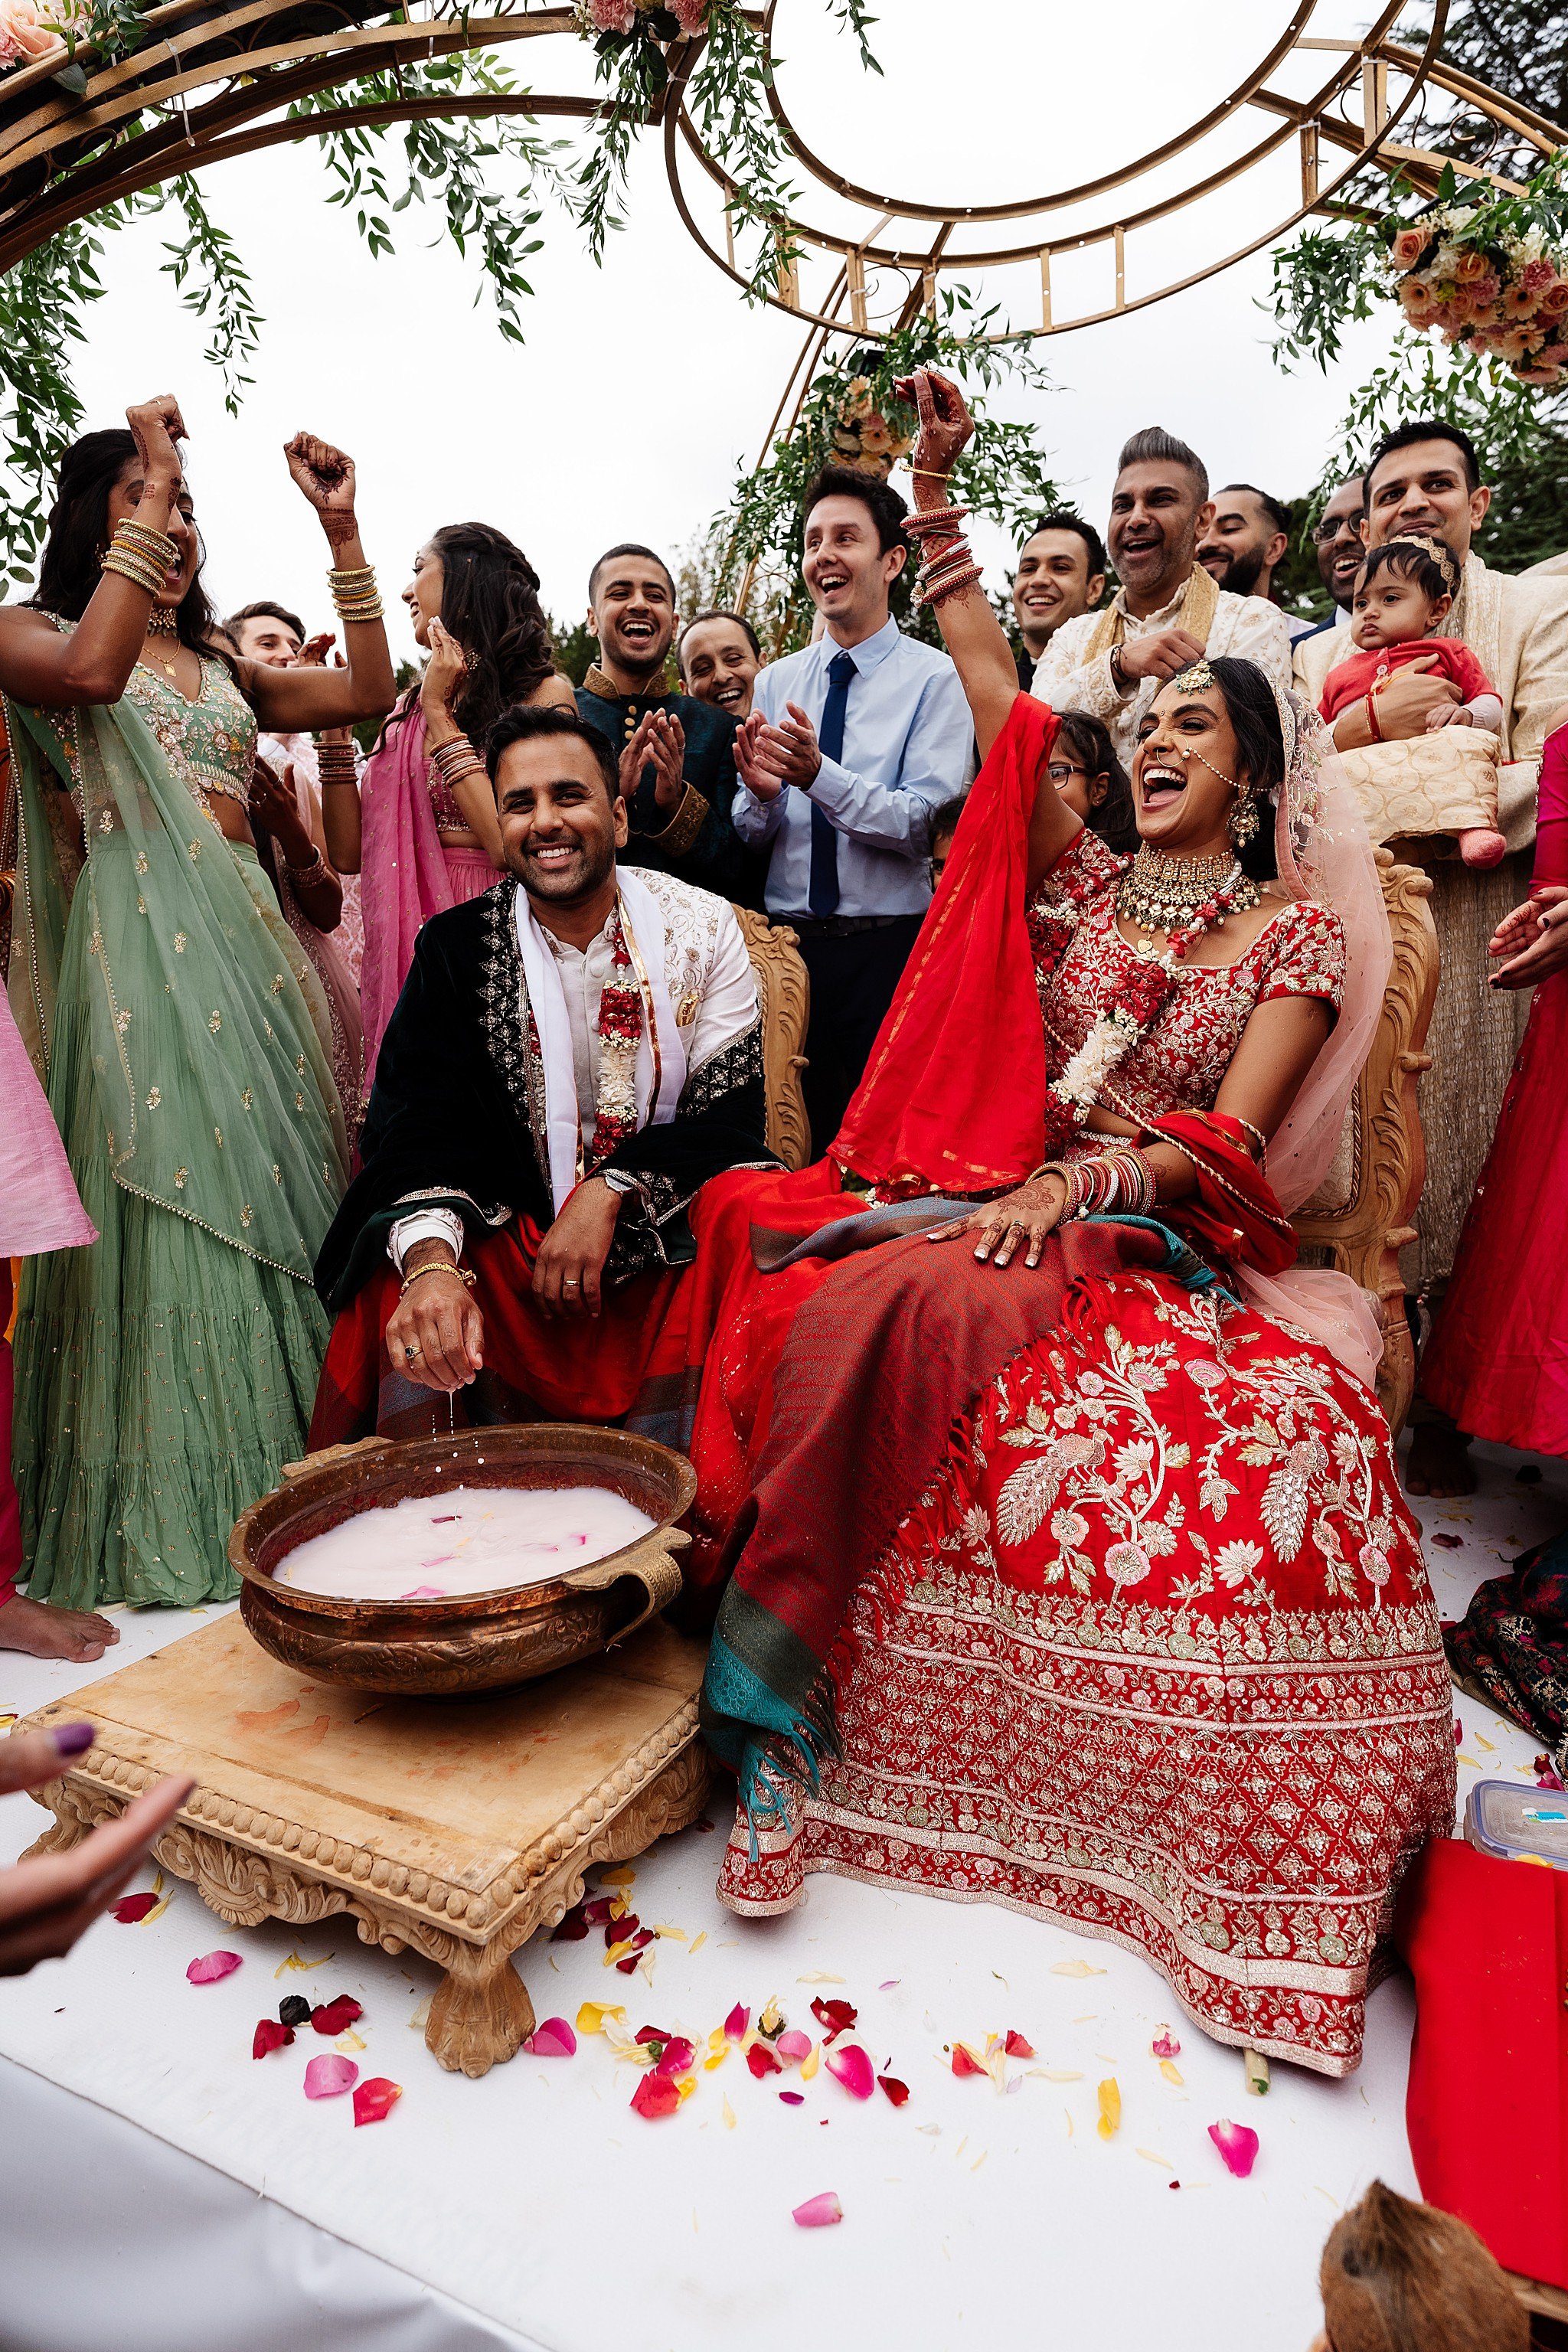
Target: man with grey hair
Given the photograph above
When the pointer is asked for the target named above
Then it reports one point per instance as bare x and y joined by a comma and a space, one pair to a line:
1167, 611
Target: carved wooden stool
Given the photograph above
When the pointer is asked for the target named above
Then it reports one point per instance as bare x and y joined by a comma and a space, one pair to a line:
450, 1828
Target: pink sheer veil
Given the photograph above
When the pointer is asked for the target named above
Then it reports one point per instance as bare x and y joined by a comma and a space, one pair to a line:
1324, 853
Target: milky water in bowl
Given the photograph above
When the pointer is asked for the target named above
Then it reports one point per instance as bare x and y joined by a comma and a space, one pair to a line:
468, 1539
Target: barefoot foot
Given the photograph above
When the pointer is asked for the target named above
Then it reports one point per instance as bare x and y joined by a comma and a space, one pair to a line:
1438, 1463
40, 1630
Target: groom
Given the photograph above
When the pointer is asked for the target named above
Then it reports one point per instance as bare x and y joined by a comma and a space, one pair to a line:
573, 1056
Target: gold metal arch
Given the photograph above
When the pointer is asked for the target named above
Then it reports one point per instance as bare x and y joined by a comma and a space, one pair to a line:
212, 80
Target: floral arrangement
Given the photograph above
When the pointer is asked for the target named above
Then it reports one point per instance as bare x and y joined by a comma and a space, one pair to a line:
647, 19
29, 32
864, 438
1493, 282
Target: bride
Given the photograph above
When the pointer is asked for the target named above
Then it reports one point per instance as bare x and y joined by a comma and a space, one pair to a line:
1062, 1557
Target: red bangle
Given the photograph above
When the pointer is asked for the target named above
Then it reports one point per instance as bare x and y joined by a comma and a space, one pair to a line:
1372, 718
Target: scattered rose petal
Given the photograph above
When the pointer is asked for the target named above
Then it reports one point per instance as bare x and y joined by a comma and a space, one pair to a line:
760, 2060
329, 2078
835, 2017
554, 2039
1016, 2047
598, 1911
1448, 1543
374, 2100
795, 2045
793, 2098
1172, 2073
1074, 1968
294, 2009
656, 2095
1165, 2044
821, 1976
1109, 2122
727, 2116
888, 1983
621, 1875
676, 2057
330, 2017
423, 1592
1236, 2144
617, 1931
132, 1908
350, 2041
591, 2017
652, 2033
809, 2066
735, 2025
572, 1927
212, 1966
269, 2036
819, 2213
848, 2065
1458, 1733
897, 2091
964, 2062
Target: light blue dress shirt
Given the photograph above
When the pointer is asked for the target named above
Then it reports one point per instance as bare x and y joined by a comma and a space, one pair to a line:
908, 746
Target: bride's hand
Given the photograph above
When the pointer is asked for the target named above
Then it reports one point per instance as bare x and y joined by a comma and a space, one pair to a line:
1029, 1214
946, 425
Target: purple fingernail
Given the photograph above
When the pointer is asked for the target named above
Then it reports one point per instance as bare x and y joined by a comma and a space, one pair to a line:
73, 1738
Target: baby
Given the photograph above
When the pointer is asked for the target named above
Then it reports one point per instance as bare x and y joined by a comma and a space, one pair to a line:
1404, 591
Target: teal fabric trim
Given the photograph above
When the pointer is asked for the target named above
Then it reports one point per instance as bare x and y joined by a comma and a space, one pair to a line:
1182, 1262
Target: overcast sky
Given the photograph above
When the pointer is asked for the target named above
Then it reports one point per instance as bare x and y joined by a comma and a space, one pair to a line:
643, 385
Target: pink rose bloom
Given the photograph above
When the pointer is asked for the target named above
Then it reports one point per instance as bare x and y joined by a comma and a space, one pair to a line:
1536, 274
1408, 247
23, 34
609, 15
692, 15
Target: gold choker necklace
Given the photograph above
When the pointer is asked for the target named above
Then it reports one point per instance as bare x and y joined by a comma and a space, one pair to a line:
1163, 894
164, 621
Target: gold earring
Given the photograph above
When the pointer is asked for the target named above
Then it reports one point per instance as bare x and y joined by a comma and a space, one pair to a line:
1243, 819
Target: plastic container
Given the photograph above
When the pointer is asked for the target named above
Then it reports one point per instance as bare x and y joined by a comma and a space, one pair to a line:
1516, 1824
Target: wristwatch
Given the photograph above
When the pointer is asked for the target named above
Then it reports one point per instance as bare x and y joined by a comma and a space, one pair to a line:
619, 1181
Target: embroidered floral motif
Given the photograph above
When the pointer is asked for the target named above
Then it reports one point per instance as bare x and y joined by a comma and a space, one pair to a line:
155, 1096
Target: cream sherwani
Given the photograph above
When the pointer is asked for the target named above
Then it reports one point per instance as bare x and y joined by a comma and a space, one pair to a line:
1518, 630
1069, 679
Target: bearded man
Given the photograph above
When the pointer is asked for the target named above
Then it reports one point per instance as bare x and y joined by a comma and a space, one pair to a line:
1423, 479
1336, 542
680, 794
574, 1055
1248, 540
1168, 612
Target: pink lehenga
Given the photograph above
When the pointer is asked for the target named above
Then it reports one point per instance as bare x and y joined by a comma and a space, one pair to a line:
407, 872
1497, 1361
323, 949
1147, 1646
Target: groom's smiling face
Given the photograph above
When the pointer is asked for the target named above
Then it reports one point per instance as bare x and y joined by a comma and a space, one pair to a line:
560, 828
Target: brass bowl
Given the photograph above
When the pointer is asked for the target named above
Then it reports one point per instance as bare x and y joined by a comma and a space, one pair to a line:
471, 1642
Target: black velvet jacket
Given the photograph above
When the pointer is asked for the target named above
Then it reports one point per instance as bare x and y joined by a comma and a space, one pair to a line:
457, 1116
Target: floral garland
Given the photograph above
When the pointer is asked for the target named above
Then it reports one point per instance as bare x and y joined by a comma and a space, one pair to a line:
1489, 277
1119, 1028
620, 1029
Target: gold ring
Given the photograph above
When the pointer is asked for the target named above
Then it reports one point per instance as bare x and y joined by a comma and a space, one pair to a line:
413, 1354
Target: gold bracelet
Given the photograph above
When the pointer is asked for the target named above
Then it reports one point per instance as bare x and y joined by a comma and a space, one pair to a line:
139, 569
439, 1265
926, 474
355, 596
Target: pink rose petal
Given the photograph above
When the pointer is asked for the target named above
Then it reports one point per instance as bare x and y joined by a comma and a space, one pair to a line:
793, 2098
819, 2213
735, 2025
212, 1966
423, 1592
1166, 2046
374, 2100
888, 1984
848, 2065
554, 2039
795, 2045
329, 2078
1239, 2146
677, 2057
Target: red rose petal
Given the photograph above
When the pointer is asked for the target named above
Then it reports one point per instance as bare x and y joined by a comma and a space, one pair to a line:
1448, 1543
835, 2017
962, 2063
656, 2095
619, 1931
335, 2017
897, 2092
1015, 2046
131, 1907
761, 2061
793, 2098
573, 1927
270, 2035
735, 2025
374, 2100
677, 2057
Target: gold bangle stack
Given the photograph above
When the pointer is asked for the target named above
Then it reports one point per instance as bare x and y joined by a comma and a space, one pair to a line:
355, 596
139, 555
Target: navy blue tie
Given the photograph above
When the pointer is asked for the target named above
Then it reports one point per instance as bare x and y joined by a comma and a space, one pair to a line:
823, 894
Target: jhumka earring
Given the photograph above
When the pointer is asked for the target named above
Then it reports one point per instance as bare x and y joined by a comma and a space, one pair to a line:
1244, 817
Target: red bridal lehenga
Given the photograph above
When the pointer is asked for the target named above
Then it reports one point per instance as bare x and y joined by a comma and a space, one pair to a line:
1150, 1650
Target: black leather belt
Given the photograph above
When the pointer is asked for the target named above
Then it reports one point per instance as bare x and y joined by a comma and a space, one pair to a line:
839, 927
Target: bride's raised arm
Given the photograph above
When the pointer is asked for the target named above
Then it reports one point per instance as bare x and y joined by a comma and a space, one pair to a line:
971, 631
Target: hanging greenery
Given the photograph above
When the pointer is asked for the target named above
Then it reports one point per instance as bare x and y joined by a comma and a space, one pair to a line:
486, 182
852, 415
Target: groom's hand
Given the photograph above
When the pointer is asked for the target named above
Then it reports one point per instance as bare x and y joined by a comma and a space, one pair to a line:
572, 1256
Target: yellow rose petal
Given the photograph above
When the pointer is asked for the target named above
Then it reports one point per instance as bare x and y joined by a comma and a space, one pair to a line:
1109, 2122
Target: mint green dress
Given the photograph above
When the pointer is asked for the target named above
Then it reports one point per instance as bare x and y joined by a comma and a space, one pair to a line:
165, 1374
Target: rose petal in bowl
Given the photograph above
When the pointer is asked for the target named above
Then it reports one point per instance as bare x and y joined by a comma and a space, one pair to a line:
819, 2213
329, 2078
212, 1966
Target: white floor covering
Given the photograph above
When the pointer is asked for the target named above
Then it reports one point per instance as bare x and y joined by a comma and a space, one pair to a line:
534, 2208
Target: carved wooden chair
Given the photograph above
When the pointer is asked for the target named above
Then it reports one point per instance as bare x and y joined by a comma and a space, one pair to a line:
785, 991
1358, 1220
